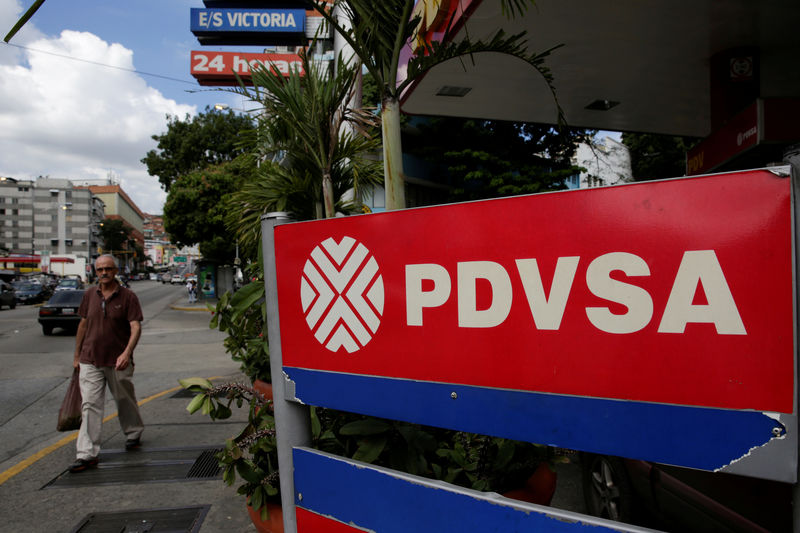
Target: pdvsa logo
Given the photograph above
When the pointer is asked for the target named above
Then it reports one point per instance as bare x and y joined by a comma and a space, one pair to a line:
342, 294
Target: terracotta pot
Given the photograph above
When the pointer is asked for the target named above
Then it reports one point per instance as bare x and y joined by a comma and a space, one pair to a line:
264, 388
273, 523
539, 488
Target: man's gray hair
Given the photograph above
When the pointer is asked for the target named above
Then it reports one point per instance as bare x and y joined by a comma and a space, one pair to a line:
116, 263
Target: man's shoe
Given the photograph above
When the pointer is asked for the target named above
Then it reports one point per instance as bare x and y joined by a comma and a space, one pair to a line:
132, 444
82, 464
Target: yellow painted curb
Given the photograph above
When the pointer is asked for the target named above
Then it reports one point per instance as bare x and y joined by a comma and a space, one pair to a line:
25, 463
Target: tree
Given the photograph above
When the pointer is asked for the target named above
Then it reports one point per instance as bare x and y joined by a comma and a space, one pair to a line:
115, 235
194, 212
378, 31
194, 143
656, 156
307, 119
489, 159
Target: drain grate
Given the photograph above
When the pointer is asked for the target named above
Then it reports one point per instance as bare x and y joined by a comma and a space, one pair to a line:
145, 466
206, 466
178, 520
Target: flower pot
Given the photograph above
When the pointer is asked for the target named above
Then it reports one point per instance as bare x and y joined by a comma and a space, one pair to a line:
539, 488
264, 388
273, 523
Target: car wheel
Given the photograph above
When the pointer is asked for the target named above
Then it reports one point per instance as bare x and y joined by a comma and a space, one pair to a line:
47, 330
13, 304
607, 489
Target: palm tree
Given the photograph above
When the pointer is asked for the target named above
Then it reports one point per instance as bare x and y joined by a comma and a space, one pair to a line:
310, 161
378, 31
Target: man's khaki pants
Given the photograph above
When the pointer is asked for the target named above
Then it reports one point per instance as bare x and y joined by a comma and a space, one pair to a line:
93, 392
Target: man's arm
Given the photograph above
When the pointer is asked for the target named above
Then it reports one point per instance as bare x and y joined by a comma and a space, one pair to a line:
124, 358
79, 336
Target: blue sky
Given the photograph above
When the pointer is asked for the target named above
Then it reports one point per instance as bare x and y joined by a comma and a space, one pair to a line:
92, 116
86, 83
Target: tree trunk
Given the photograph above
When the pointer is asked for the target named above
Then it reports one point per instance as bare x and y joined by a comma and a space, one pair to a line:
394, 182
327, 195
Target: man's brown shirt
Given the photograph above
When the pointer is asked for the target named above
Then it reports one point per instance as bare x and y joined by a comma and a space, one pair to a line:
108, 327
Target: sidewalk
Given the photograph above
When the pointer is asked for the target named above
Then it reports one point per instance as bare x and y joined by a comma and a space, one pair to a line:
172, 479
200, 305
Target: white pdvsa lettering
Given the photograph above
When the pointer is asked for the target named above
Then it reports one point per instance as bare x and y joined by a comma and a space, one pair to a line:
260, 19
547, 310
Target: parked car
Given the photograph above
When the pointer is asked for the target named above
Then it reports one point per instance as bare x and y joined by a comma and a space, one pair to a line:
153, 276
7, 295
670, 498
69, 283
61, 311
166, 277
30, 292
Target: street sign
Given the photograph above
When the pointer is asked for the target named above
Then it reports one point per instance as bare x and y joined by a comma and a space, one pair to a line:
222, 68
248, 26
652, 321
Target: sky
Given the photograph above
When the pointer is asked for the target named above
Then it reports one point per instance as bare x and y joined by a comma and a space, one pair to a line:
86, 83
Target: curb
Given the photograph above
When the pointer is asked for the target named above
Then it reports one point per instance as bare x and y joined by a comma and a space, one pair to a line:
180, 308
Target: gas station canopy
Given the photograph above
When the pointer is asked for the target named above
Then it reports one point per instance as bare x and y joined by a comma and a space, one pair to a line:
678, 67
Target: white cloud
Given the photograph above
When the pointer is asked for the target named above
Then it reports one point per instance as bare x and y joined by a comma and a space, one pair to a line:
77, 119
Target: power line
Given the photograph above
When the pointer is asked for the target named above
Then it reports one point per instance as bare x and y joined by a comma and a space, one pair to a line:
72, 58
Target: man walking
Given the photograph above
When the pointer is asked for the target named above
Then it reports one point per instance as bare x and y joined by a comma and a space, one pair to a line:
108, 332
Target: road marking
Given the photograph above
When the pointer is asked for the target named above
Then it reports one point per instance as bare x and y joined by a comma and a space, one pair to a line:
25, 463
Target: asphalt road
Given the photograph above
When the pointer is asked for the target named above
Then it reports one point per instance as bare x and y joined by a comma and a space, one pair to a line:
35, 369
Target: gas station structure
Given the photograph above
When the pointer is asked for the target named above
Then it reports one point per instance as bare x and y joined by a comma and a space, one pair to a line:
722, 71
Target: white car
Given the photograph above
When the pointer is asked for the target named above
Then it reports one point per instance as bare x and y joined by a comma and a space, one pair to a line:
176, 278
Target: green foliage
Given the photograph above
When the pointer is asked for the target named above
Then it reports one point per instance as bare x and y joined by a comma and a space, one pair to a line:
252, 454
657, 156
242, 315
194, 143
115, 234
466, 459
488, 159
194, 212
317, 146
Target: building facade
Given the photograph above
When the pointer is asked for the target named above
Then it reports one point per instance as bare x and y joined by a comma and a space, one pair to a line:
49, 217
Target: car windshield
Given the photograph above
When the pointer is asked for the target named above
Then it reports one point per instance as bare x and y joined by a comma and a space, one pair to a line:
26, 286
68, 283
66, 298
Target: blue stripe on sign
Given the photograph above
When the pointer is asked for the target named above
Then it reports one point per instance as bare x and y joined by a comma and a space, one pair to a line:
694, 437
383, 501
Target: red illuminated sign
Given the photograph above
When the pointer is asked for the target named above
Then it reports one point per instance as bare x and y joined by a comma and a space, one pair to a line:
221, 68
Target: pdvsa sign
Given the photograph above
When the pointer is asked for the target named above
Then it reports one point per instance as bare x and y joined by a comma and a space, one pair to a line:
673, 295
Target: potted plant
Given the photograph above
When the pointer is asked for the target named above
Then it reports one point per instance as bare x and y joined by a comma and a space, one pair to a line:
251, 455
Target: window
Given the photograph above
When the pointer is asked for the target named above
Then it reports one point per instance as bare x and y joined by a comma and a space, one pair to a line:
68, 242
54, 242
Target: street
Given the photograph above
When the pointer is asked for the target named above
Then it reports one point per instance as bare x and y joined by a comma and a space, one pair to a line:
35, 369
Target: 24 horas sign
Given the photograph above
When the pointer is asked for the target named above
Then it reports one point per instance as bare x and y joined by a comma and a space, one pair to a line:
651, 320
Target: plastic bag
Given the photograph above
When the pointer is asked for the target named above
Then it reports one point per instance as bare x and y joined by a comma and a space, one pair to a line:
69, 416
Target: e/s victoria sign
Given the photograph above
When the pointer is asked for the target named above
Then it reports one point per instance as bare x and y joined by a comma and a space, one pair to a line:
652, 321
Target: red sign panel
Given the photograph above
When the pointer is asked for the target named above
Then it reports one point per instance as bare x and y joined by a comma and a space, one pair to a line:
221, 68
738, 135
677, 292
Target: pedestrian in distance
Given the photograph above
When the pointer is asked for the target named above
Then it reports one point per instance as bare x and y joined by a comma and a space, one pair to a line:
191, 286
110, 327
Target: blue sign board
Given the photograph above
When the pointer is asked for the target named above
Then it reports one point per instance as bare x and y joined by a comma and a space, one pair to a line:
212, 21
341, 495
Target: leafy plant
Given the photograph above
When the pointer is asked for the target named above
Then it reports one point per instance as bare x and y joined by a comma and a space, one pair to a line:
252, 455
242, 316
